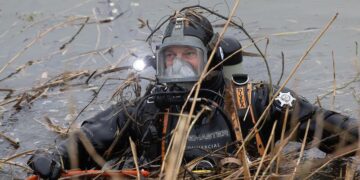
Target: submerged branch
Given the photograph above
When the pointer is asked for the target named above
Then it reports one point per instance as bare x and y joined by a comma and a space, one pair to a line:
76, 34
355, 79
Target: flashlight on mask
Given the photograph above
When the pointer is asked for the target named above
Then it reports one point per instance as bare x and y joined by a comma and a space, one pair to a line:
142, 63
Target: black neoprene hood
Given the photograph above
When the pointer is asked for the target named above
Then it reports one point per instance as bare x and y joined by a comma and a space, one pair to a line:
195, 25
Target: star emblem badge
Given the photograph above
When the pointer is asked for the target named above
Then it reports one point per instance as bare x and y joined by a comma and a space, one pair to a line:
285, 99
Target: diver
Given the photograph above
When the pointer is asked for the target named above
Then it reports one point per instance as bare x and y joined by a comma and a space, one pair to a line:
233, 108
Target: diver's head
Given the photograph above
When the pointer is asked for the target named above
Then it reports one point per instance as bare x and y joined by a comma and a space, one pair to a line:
188, 41
184, 52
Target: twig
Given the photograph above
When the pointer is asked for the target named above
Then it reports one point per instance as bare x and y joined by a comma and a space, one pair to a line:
97, 39
157, 28
30, 63
90, 149
118, 137
266, 46
50, 125
282, 67
38, 94
130, 80
35, 92
91, 75
77, 33
14, 143
350, 170
82, 110
19, 69
142, 23
59, 80
106, 20
293, 32
9, 94
17, 155
251, 54
62, 78
318, 101
8, 101
266, 149
283, 129
357, 60
334, 84
133, 151
111, 70
18, 165
97, 51
98, 30
302, 149
148, 26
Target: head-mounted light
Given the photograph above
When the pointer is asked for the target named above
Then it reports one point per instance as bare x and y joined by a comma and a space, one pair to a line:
142, 63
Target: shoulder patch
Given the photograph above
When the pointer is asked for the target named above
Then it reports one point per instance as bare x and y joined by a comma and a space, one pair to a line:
240, 97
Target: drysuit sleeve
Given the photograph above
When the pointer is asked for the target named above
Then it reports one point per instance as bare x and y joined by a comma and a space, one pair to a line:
83, 148
331, 130
328, 129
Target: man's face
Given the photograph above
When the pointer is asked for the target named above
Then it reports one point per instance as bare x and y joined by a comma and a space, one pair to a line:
185, 53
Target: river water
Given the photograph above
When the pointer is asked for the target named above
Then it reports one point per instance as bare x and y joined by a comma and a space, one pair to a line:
33, 32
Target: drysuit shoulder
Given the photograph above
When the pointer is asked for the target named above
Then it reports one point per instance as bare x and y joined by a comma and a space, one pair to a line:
299, 107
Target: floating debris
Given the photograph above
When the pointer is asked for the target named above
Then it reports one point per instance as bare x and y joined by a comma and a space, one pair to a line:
134, 4
15, 143
53, 127
44, 75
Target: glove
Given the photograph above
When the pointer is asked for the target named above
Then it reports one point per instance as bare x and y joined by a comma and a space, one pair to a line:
45, 165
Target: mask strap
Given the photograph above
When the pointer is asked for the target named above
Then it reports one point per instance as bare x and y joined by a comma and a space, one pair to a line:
213, 41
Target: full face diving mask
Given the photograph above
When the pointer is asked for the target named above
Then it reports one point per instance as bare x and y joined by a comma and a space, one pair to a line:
181, 58
180, 63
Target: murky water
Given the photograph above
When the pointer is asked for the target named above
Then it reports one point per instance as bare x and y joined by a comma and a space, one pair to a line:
34, 31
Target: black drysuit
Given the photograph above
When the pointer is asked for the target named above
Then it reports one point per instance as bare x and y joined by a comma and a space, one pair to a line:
109, 131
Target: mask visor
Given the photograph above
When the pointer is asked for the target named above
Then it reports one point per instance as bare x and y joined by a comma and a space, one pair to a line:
180, 63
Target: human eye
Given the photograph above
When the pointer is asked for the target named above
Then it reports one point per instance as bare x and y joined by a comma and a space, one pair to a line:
169, 54
190, 53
